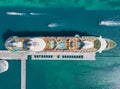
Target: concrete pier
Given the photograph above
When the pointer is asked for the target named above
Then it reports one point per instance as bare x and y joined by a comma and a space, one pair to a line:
4, 54
8, 55
46, 55
62, 56
23, 74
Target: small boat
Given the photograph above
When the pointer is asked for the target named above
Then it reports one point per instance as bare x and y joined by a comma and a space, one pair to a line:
3, 65
36, 13
110, 23
52, 25
15, 13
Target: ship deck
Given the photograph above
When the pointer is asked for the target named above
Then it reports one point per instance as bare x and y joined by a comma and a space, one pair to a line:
53, 44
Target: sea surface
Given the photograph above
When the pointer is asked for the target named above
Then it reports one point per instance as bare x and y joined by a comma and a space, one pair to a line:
103, 73
86, 4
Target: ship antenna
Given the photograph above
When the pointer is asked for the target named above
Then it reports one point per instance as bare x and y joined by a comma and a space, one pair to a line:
77, 36
100, 36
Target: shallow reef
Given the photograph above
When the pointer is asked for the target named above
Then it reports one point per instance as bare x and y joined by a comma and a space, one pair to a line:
85, 4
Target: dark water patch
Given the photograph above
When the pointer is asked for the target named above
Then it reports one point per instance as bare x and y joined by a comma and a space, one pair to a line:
39, 78
114, 3
11, 78
9, 33
108, 68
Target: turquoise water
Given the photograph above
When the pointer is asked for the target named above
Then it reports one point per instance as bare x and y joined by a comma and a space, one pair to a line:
99, 74
86, 4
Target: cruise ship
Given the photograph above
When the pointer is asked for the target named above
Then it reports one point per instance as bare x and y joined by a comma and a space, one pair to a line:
84, 44
3, 66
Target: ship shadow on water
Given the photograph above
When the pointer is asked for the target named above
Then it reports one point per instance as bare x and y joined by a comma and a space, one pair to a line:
9, 33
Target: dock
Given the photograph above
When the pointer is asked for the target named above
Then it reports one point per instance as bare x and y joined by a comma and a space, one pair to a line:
8, 55
22, 55
23, 74
62, 56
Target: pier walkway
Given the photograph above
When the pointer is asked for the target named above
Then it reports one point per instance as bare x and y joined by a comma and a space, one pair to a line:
23, 74
4, 54
62, 56
21, 55
46, 55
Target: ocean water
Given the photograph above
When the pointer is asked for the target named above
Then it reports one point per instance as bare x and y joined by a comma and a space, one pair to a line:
103, 73
86, 4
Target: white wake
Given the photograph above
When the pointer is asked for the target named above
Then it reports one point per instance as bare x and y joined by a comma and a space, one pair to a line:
15, 13
36, 13
52, 25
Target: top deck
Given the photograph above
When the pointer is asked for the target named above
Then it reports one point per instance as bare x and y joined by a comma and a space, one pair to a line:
53, 44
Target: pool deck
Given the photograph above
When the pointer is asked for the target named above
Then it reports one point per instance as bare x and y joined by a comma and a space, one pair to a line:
4, 54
